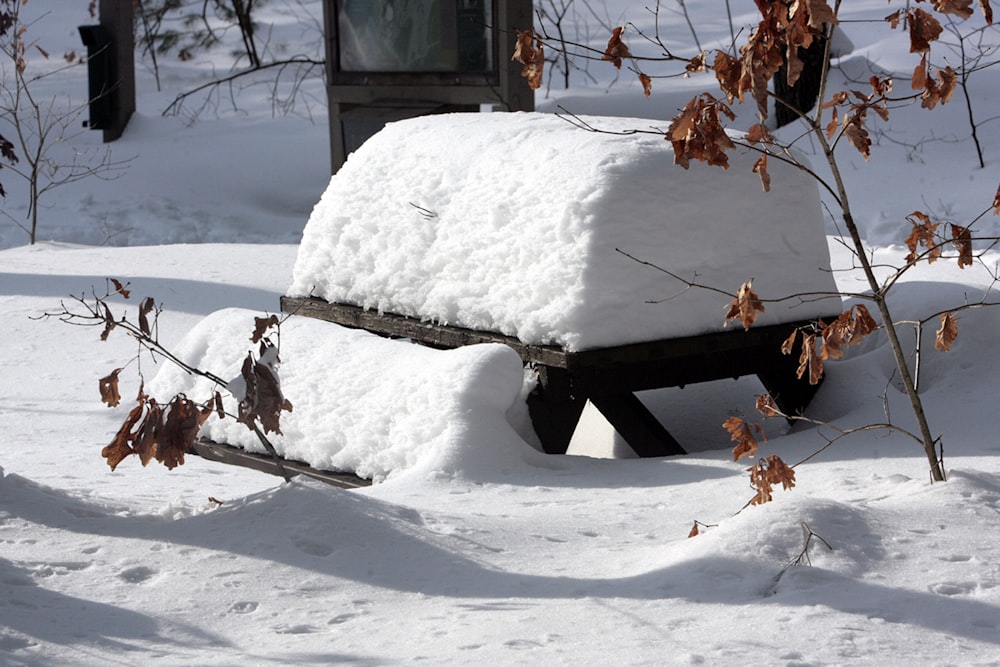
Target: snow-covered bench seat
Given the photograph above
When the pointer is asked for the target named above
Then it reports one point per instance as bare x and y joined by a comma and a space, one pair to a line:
466, 228
364, 408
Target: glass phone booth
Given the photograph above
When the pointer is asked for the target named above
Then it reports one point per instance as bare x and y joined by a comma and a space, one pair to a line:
394, 59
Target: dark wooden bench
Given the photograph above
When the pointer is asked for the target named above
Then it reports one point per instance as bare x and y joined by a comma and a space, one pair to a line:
607, 377
223, 453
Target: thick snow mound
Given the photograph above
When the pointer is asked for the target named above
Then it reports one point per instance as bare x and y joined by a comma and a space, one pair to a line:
512, 222
362, 403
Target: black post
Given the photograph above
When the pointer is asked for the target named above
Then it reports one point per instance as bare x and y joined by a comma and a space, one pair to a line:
111, 67
118, 18
800, 98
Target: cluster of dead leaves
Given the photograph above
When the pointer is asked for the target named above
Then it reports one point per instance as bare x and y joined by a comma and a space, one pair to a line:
923, 234
697, 133
850, 328
924, 29
857, 104
617, 50
528, 51
262, 400
784, 28
153, 431
167, 432
768, 472
147, 306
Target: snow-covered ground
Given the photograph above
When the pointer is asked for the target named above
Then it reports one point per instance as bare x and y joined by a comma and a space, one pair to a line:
481, 550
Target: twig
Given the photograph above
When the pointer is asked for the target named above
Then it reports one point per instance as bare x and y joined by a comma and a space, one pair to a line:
174, 107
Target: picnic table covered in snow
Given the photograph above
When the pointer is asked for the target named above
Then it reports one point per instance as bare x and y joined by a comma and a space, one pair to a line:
574, 247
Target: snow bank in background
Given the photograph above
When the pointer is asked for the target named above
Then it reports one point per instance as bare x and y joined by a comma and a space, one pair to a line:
362, 403
510, 223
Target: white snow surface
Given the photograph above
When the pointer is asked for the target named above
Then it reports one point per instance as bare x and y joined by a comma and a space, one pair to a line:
512, 223
483, 551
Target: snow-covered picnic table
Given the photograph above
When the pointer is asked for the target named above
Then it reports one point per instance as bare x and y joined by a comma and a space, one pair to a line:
575, 248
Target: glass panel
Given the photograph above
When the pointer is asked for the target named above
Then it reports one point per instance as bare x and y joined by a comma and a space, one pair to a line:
415, 35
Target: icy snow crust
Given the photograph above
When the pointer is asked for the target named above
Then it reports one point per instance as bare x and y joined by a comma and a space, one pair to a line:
362, 403
511, 222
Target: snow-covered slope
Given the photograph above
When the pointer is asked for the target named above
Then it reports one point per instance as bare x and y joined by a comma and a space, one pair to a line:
481, 557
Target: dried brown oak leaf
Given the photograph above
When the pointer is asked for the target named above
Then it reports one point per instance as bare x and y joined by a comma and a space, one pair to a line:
145, 308
962, 240
120, 289
261, 325
796, 34
109, 322
833, 125
920, 74
987, 10
922, 235
697, 64
947, 332
820, 13
881, 87
528, 51
857, 135
996, 202
647, 84
760, 484
760, 168
729, 73
182, 421
745, 306
959, 8
616, 48
146, 438
120, 446
743, 434
924, 29
761, 57
766, 406
810, 360
760, 134
850, 328
263, 400
108, 386
694, 532
940, 90
789, 344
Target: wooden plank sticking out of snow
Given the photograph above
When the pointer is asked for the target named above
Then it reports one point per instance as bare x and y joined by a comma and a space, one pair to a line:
216, 451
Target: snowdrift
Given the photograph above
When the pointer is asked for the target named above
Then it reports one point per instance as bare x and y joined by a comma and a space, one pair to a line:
512, 222
365, 404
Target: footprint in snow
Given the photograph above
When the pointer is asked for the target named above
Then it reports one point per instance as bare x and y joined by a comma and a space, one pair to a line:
314, 548
953, 588
137, 575
301, 629
245, 607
